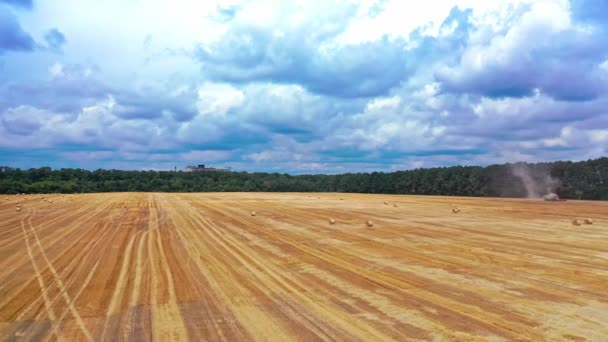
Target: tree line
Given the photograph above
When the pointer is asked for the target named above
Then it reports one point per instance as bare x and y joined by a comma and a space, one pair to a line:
574, 180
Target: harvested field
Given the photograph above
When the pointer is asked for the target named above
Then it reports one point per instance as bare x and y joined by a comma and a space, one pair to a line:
200, 266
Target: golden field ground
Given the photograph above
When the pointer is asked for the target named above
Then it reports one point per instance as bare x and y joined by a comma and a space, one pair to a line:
141, 266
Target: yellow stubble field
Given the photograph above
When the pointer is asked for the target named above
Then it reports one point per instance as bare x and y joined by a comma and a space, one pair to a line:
142, 266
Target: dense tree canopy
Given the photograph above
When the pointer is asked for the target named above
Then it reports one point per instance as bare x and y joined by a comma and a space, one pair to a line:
584, 180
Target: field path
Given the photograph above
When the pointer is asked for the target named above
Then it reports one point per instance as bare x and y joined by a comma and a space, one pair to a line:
179, 267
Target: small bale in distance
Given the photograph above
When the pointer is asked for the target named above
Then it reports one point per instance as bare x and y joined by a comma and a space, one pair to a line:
253, 213
385, 202
576, 223
341, 198
588, 221
455, 210
369, 223
395, 205
332, 221
18, 209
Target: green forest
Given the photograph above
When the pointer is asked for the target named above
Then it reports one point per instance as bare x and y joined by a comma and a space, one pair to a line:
573, 180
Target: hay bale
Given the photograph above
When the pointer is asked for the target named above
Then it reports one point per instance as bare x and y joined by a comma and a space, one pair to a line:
455, 210
253, 213
332, 221
369, 223
318, 197
341, 198
18, 209
395, 205
588, 221
385, 203
576, 223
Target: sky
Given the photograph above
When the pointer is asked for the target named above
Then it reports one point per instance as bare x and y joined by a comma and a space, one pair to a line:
301, 86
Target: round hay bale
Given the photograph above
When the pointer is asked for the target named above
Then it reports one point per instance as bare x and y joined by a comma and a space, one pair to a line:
588, 221
318, 197
369, 223
576, 223
385, 203
332, 221
455, 210
395, 205
253, 213
341, 198
18, 209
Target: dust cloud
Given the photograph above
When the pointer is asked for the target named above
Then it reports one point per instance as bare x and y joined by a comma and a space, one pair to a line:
536, 181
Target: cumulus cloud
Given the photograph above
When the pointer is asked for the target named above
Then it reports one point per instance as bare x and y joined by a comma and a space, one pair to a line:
209, 155
218, 99
543, 50
95, 125
311, 86
55, 39
88, 155
298, 44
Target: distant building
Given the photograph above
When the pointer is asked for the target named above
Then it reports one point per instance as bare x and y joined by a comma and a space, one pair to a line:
203, 168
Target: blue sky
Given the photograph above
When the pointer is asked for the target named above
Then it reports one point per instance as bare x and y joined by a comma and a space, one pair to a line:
301, 86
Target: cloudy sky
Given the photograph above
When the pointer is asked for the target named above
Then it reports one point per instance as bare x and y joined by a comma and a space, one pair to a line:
301, 86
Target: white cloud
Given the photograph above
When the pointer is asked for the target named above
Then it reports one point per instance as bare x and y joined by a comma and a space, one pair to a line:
217, 99
93, 125
143, 88
390, 103
88, 155
397, 18
56, 70
205, 156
